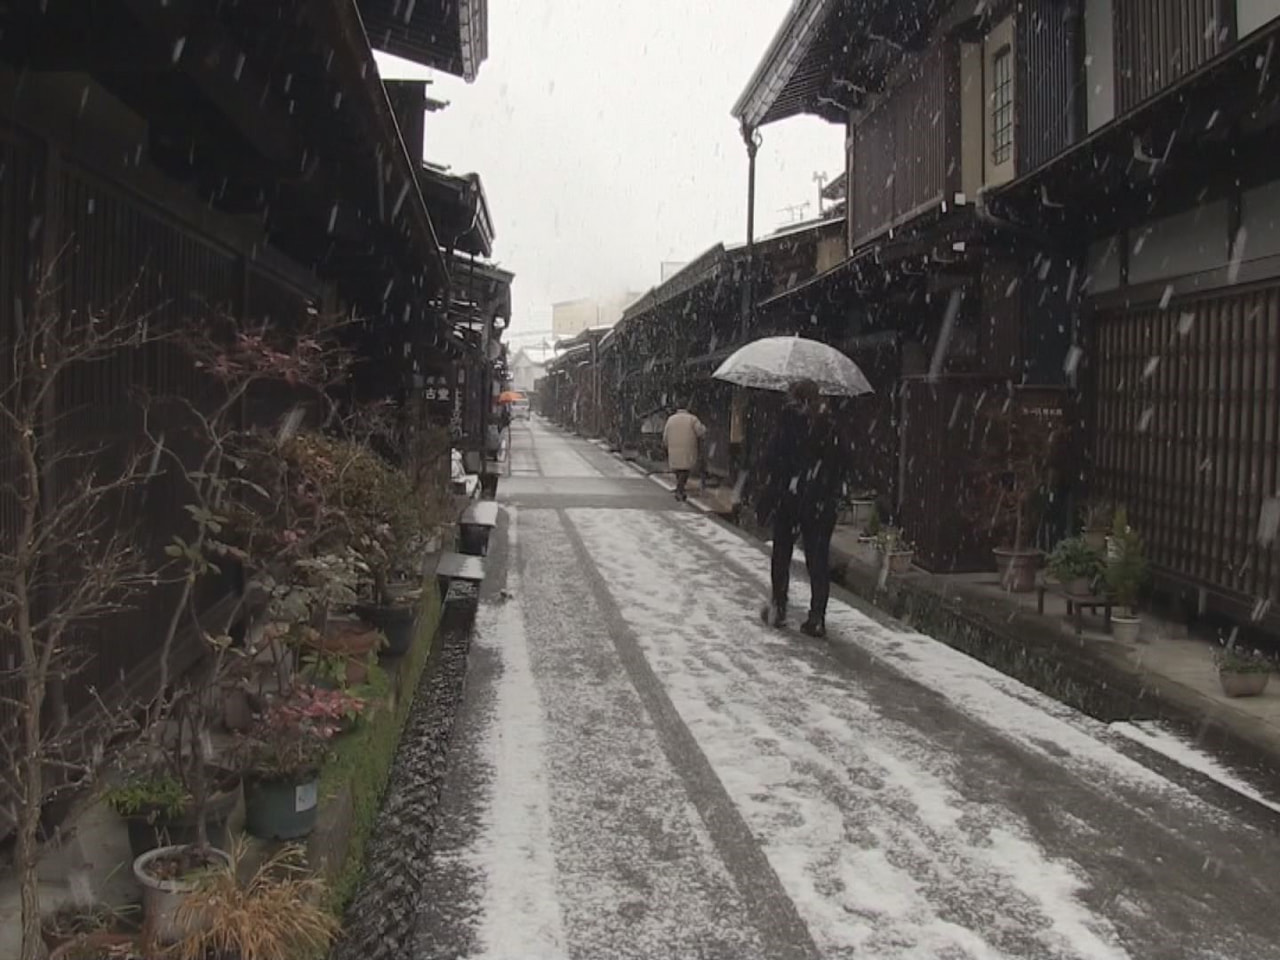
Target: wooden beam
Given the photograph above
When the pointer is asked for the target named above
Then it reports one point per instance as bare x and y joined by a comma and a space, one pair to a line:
202, 49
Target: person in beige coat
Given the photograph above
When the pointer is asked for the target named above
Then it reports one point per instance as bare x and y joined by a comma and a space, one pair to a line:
681, 436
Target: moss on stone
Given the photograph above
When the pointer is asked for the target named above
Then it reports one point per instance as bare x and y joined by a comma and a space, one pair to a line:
361, 762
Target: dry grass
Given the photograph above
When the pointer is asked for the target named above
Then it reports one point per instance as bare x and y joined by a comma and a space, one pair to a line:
275, 915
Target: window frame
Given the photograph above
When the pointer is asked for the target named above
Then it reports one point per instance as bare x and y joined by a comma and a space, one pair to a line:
1001, 112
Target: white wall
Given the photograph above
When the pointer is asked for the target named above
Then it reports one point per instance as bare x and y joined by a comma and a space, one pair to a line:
1184, 243
1100, 60
1260, 217
972, 125
1103, 266
1252, 14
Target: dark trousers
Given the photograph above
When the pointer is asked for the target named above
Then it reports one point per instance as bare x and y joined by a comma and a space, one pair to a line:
682, 478
815, 534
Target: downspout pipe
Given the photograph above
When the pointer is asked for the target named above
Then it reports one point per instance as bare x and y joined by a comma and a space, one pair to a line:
752, 138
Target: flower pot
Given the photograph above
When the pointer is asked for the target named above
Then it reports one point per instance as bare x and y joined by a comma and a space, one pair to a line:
353, 640
1079, 586
397, 621
1237, 684
899, 561
147, 831
1095, 539
1017, 569
162, 898
110, 945
283, 808
1126, 629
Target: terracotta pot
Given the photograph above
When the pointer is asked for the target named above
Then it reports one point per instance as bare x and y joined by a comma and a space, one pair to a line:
352, 640
1243, 684
900, 561
93, 941
1017, 569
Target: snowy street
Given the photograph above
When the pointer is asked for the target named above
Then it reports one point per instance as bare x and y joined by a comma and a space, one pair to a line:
642, 770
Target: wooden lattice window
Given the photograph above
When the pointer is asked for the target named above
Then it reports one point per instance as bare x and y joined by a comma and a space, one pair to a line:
1002, 106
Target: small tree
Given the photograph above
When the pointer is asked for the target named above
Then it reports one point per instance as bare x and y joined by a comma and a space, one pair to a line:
1126, 571
212, 460
1018, 454
68, 560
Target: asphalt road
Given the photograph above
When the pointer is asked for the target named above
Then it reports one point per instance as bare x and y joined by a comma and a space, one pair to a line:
641, 769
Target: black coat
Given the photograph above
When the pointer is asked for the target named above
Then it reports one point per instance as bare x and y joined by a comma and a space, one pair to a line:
805, 469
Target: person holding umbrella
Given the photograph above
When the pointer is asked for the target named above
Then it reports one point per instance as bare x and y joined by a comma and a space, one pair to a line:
805, 470
807, 463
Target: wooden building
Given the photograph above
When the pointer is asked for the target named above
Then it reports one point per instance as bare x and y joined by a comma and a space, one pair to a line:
186, 159
1159, 180
669, 342
944, 305
1073, 195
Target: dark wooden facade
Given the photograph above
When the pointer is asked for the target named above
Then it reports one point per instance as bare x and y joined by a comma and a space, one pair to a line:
902, 150
1050, 95
253, 171
1160, 41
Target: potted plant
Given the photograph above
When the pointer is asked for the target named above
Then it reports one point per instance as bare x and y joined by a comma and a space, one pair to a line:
283, 755
168, 877
857, 509
275, 912
159, 810
895, 552
99, 945
1126, 573
91, 925
1018, 458
1096, 521
1242, 673
1075, 565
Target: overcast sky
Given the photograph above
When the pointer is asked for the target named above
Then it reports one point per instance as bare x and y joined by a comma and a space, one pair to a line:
601, 129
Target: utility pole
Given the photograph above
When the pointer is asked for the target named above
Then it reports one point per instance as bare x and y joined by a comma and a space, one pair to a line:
821, 180
751, 138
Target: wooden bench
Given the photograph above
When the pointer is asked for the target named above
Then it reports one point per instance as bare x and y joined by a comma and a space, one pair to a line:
1077, 603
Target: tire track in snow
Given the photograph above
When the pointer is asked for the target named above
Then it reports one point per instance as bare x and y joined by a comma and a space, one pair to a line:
780, 929
890, 836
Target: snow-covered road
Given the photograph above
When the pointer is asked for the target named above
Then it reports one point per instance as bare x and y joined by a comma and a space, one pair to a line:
642, 770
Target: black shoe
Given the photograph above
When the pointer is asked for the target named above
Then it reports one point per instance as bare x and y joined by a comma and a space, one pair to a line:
814, 628
773, 617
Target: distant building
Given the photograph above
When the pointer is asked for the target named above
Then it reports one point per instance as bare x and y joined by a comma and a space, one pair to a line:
570, 318
528, 366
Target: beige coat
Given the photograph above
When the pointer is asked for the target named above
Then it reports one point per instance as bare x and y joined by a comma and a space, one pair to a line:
681, 436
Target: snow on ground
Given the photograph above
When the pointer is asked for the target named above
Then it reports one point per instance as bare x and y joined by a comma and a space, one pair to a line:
1038, 722
521, 915
1177, 746
590, 846
883, 846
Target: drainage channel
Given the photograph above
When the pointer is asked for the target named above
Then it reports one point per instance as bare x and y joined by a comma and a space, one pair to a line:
1201, 754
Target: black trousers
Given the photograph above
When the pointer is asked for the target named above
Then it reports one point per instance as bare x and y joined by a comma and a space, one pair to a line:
682, 480
815, 534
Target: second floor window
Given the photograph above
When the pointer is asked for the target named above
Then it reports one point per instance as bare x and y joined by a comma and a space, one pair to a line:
1002, 106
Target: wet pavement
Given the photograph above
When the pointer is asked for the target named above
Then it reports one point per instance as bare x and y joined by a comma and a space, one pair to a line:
640, 769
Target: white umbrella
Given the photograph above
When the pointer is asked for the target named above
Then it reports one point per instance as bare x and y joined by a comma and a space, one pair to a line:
775, 363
